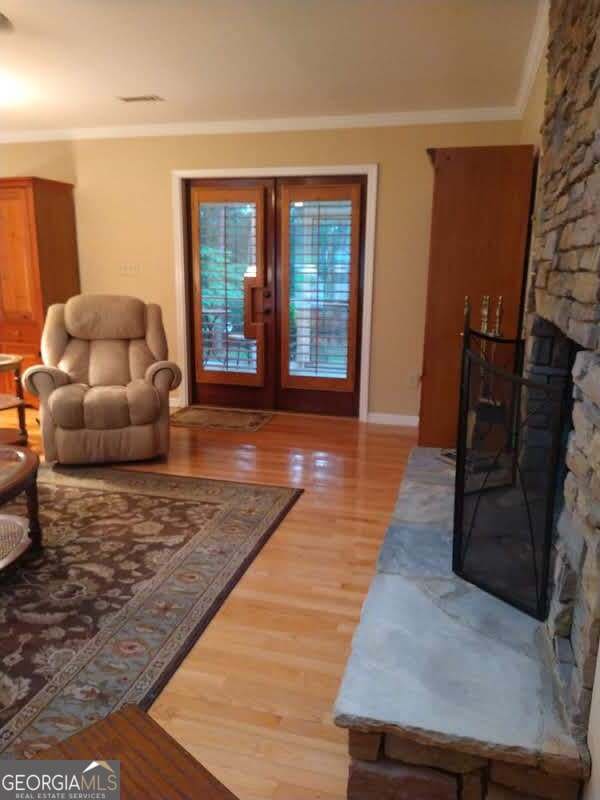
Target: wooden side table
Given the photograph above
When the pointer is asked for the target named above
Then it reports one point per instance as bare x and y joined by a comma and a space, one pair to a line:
153, 765
12, 363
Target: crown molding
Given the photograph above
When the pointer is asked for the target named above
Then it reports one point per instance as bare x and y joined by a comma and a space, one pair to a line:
391, 119
535, 53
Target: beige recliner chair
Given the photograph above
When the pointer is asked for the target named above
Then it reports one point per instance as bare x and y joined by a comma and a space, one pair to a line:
104, 386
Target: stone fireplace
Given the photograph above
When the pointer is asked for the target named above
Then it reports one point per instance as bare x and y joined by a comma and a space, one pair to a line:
450, 693
563, 333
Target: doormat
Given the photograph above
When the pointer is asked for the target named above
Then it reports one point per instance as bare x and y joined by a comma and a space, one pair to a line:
220, 419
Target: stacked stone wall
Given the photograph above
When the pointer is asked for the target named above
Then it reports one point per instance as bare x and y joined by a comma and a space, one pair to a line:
387, 766
567, 294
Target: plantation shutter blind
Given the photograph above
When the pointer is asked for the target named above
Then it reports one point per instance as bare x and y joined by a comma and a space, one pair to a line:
320, 259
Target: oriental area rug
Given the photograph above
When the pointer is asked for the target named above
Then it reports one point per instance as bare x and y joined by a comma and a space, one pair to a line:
134, 567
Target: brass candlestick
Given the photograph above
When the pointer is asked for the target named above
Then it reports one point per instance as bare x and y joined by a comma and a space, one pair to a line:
485, 312
485, 315
467, 313
498, 322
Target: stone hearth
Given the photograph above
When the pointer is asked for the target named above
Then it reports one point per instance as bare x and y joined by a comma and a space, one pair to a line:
448, 691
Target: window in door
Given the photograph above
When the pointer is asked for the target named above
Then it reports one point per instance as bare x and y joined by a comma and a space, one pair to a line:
228, 264
228, 258
319, 270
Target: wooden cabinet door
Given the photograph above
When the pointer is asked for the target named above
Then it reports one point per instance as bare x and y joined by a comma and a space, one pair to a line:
20, 304
479, 245
19, 289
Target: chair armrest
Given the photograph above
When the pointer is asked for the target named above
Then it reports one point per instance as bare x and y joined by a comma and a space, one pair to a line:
42, 381
164, 375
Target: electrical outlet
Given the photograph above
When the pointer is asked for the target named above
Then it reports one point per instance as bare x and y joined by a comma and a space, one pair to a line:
414, 379
129, 270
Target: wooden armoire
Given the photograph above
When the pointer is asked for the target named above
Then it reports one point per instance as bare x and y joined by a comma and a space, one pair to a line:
482, 204
38, 261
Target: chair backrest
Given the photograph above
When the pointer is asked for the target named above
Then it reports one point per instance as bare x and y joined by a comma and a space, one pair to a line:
103, 340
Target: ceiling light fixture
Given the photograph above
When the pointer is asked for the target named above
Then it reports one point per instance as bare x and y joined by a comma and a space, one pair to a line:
12, 90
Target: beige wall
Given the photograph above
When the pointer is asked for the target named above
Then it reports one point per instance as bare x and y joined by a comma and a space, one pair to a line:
55, 160
534, 113
123, 198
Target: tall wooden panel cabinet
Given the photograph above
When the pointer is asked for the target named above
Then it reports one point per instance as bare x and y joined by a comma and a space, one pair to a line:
482, 203
38, 261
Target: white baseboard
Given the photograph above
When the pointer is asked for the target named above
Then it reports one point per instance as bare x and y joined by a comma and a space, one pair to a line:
175, 402
405, 420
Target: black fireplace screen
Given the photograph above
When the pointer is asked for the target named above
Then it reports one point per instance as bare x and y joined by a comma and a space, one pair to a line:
507, 451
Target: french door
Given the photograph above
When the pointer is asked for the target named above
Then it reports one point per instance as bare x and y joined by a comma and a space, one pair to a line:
276, 287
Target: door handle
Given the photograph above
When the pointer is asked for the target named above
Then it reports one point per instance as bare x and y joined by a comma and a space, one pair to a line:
256, 303
249, 323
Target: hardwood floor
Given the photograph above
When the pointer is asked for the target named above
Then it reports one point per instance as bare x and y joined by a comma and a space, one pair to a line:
253, 699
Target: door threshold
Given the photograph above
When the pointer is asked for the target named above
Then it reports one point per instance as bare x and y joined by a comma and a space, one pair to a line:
274, 411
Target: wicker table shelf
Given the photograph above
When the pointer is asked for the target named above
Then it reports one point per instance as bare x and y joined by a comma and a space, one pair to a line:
14, 538
18, 473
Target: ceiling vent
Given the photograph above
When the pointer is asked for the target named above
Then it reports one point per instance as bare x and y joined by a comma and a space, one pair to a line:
142, 98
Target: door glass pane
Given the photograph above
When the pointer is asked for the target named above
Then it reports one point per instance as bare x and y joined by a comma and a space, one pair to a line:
227, 256
320, 272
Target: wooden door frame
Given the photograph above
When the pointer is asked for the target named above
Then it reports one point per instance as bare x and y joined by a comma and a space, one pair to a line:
178, 198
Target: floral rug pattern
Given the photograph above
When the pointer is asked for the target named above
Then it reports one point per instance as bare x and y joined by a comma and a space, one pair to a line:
134, 566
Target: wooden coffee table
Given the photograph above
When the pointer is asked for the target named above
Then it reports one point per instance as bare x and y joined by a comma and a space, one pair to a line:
18, 473
153, 765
